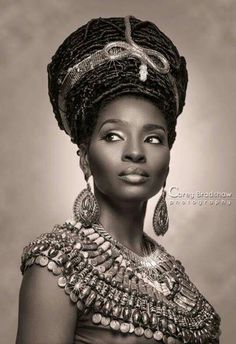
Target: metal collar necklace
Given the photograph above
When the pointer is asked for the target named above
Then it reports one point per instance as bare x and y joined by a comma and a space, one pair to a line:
152, 250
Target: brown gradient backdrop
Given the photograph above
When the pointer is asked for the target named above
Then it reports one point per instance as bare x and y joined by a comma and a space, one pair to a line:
40, 168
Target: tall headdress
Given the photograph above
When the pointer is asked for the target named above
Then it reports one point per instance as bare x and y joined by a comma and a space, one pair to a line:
117, 66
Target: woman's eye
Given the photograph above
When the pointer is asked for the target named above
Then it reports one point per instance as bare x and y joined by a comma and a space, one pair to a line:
111, 137
154, 139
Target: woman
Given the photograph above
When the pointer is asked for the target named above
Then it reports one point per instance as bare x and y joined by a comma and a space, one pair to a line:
117, 86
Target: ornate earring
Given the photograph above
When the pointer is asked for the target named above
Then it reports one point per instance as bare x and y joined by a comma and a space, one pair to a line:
160, 217
86, 209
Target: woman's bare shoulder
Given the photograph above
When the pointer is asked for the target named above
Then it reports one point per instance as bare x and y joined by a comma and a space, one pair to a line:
46, 315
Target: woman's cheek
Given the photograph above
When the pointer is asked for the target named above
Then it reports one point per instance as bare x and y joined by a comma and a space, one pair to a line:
102, 163
160, 167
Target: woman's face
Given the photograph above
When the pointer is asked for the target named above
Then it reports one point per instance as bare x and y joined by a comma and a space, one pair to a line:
130, 136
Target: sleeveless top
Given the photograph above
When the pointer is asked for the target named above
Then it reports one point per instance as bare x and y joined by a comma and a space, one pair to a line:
120, 297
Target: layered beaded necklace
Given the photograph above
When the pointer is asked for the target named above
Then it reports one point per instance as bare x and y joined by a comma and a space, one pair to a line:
149, 296
147, 265
148, 246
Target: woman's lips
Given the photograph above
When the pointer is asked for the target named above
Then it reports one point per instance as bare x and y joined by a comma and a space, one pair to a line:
134, 175
134, 178
134, 171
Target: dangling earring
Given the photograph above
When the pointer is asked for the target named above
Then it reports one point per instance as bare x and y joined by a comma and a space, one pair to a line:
86, 209
160, 217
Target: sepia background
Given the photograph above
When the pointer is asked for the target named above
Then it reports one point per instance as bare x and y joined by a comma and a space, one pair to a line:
40, 174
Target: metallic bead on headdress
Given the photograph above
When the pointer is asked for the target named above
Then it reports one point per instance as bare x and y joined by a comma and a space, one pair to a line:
115, 51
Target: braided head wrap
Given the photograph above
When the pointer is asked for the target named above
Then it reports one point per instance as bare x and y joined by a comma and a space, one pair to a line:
109, 57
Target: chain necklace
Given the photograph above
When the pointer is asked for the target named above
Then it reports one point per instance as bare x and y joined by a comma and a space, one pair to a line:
152, 251
155, 268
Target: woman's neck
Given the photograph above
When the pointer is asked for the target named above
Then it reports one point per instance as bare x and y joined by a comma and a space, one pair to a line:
123, 220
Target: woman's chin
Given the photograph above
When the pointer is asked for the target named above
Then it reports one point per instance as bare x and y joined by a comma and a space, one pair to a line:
132, 194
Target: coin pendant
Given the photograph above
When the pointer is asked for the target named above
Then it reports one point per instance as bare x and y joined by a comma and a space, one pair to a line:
171, 340
96, 318
139, 331
105, 321
124, 327
131, 329
115, 325
61, 282
148, 333
43, 261
73, 297
56, 270
67, 290
51, 265
158, 335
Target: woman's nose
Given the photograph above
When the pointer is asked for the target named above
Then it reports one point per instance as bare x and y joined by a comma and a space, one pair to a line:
134, 153
135, 157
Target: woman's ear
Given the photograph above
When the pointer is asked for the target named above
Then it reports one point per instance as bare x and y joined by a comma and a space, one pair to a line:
84, 162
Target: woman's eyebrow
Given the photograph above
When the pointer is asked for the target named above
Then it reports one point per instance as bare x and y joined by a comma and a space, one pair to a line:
150, 126
114, 120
